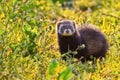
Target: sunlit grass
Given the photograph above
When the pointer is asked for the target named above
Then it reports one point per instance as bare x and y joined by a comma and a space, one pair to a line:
28, 41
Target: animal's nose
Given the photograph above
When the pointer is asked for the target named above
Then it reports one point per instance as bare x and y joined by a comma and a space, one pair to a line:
67, 31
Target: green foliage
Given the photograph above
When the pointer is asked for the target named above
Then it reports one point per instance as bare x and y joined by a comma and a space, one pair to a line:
66, 74
1, 31
55, 73
28, 41
52, 67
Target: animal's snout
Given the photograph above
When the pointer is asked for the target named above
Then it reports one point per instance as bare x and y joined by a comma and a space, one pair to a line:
67, 31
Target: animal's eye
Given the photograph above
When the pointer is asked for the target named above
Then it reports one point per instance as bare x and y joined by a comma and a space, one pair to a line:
69, 27
63, 26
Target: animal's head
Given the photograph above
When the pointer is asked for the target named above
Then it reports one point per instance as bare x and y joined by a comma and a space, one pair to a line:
66, 27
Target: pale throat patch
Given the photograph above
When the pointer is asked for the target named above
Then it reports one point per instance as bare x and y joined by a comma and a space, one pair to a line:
65, 33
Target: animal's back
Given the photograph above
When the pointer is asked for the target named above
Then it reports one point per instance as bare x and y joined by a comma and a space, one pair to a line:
94, 40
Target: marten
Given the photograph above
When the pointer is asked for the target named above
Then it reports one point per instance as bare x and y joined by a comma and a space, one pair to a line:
70, 37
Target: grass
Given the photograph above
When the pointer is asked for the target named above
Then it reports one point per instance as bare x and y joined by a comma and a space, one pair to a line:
28, 42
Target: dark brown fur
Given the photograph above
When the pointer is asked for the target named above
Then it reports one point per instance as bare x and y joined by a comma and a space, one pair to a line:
94, 40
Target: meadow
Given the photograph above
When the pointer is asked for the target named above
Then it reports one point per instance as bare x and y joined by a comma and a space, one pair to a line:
28, 41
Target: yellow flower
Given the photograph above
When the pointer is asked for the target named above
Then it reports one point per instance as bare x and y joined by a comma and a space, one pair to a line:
9, 51
2, 15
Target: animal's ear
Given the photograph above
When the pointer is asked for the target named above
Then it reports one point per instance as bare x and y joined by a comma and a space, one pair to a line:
74, 24
58, 23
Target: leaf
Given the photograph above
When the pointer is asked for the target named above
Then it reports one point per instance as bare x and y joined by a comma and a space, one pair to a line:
1, 31
31, 36
0, 0
24, 7
35, 29
81, 47
66, 74
53, 66
27, 7
27, 29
